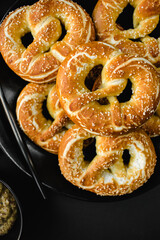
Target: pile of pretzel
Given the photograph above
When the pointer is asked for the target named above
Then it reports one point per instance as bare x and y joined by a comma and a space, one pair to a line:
80, 78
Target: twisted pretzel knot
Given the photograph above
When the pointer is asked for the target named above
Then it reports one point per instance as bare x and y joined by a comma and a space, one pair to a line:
45, 133
39, 62
107, 174
82, 105
145, 19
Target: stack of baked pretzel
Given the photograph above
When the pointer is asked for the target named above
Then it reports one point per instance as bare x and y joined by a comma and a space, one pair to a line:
81, 80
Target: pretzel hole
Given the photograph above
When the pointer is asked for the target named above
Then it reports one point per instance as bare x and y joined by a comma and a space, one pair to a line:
157, 64
27, 39
156, 114
93, 79
155, 33
126, 157
89, 149
64, 32
103, 101
136, 40
127, 13
45, 111
125, 96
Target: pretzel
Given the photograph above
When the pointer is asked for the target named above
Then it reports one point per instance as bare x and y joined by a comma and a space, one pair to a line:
152, 126
145, 19
39, 62
107, 173
81, 104
46, 133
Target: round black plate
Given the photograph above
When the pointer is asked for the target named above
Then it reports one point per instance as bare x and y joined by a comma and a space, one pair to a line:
46, 163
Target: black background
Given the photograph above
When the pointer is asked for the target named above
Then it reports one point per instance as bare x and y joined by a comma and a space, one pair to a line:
62, 217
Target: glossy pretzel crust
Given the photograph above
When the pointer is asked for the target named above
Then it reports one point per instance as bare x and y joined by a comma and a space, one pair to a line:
107, 174
39, 62
82, 105
145, 19
44, 132
152, 126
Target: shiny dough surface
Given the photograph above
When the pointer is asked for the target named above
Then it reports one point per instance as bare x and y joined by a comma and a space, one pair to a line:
46, 133
107, 174
82, 105
136, 40
40, 60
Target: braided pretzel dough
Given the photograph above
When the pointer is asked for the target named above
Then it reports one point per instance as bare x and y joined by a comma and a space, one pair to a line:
145, 19
107, 174
45, 133
39, 62
152, 126
81, 105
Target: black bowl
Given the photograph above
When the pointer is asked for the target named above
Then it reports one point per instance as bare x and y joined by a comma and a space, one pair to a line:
16, 230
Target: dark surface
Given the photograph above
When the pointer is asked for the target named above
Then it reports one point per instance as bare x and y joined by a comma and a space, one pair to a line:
82, 216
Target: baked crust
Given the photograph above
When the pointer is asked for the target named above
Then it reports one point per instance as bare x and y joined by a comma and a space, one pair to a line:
39, 62
82, 105
44, 132
152, 126
145, 19
107, 174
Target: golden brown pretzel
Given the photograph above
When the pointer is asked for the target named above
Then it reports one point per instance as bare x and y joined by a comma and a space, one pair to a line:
152, 126
44, 132
82, 105
39, 62
107, 173
145, 19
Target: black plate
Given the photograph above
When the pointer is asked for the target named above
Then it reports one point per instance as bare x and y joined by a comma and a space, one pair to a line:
46, 163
